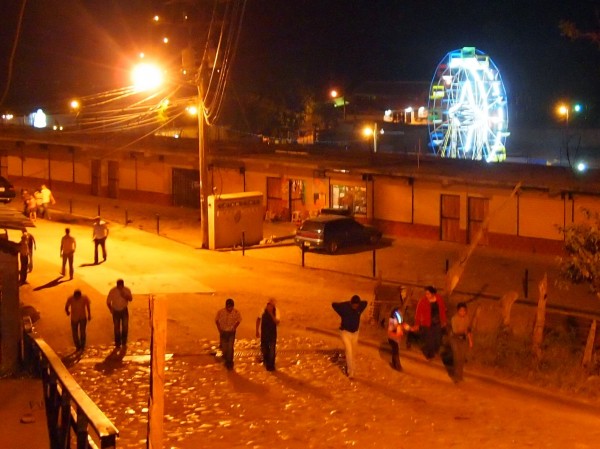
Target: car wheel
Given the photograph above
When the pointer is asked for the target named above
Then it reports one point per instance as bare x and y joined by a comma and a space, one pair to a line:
332, 247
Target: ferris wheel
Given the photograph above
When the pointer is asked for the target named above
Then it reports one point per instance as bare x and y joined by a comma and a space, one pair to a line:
467, 116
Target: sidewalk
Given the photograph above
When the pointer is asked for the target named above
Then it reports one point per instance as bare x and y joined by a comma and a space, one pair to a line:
490, 273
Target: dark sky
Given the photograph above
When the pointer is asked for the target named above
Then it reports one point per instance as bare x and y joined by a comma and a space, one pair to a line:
76, 47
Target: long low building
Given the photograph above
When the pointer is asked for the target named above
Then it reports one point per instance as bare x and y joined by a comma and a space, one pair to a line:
414, 195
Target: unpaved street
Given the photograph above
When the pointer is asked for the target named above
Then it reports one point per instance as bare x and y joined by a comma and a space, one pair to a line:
307, 402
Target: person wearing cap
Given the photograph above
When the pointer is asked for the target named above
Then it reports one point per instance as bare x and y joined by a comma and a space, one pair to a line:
99, 235
76, 307
227, 321
430, 319
266, 330
117, 301
349, 312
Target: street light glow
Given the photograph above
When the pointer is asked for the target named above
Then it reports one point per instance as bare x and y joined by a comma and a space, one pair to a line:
146, 77
333, 93
74, 104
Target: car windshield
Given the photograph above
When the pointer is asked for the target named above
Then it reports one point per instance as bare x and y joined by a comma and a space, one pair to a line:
311, 226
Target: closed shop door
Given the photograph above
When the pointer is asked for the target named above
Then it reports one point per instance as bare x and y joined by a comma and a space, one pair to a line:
478, 210
113, 179
275, 202
450, 218
96, 181
186, 188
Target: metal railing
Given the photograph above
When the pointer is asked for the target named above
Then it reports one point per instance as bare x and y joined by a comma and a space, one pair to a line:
72, 416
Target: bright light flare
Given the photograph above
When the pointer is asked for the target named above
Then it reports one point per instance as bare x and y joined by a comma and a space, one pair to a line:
146, 77
581, 167
74, 104
333, 93
562, 110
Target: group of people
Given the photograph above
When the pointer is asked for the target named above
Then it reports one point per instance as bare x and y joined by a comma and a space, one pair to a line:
430, 323
229, 318
37, 204
117, 301
68, 245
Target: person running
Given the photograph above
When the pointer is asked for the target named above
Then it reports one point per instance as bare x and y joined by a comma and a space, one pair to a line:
76, 306
350, 312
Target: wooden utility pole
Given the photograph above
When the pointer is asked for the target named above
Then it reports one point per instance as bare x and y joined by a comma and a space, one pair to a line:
540, 319
456, 270
203, 171
158, 343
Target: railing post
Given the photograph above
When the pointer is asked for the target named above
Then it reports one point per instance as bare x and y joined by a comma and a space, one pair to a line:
157, 224
243, 243
82, 432
374, 262
64, 431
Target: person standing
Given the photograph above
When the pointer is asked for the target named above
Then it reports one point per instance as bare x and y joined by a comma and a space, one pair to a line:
117, 301
430, 319
266, 330
461, 340
31, 245
99, 235
47, 199
76, 306
23, 259
227, 321
395, 334
350, 312
67, 251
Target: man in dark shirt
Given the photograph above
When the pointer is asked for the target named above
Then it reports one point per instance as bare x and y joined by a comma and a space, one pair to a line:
350, 312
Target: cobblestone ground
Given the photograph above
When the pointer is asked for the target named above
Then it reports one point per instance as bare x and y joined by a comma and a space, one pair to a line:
309, 403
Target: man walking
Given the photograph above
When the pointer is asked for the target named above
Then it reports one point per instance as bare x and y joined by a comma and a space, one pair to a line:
31, 245
266, 330
67, 251
23, 259
47, 199
350, 312
117, 301
227, 321
76, 306
99, 235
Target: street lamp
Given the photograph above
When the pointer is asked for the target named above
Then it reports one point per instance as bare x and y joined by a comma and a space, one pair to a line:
338, 100
368, 132
146, 76
564, 110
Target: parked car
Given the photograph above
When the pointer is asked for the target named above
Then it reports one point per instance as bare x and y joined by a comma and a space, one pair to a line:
330, 232
7, 191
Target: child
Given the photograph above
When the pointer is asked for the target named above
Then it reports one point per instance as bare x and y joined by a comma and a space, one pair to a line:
461, 340
395, 333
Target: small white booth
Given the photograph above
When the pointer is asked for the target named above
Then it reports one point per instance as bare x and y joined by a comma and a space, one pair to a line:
232, 215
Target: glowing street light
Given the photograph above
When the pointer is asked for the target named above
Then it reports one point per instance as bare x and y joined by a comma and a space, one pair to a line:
146, 76
368, 132
338, 100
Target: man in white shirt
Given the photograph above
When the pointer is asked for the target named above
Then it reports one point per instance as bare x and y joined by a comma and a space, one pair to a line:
117, 301
99, 235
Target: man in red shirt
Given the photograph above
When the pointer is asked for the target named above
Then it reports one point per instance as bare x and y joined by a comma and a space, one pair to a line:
430, 319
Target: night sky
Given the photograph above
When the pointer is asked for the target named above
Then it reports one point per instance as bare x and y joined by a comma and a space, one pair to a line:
78, 47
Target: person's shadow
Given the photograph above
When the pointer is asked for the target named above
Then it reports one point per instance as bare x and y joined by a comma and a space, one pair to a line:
53, 283
112, 362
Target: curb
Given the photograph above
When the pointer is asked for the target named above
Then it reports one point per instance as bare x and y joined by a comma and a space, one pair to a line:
528, 390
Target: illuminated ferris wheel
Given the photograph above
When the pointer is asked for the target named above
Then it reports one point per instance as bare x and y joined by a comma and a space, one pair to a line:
467, 117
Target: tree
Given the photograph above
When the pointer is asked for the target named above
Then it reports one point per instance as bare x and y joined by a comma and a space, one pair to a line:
581, 265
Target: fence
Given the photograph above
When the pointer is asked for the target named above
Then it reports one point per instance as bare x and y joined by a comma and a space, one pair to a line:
71, 414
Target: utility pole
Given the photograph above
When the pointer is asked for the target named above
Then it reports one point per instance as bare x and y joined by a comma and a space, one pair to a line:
203, 171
